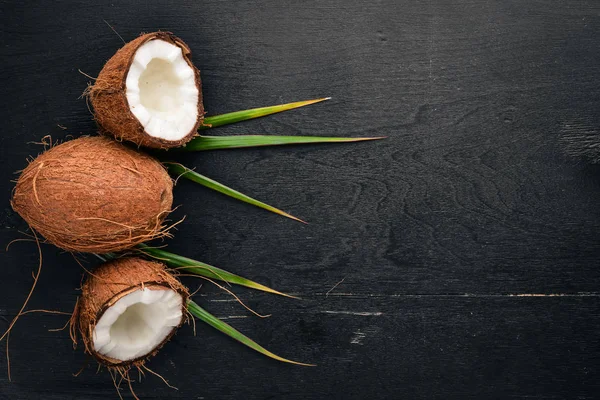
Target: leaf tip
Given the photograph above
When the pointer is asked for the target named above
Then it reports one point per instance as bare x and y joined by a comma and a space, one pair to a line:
290, 216
364, 139
304, 364
309, 102
289, 296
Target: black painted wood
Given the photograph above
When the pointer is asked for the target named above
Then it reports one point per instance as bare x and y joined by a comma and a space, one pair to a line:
466, 246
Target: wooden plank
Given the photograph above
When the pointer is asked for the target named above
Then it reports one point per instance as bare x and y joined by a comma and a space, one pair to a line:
421, 346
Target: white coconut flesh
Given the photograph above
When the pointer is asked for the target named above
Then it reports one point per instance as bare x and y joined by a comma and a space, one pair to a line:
161, 90
137, 323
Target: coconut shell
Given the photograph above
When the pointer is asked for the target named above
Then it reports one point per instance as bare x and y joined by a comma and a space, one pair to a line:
109, 283
109, 101
95, 195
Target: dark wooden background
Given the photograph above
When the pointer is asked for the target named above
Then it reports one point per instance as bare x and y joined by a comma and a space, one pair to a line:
467, 242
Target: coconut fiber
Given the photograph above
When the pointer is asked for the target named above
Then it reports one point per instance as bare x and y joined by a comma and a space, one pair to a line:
96, 195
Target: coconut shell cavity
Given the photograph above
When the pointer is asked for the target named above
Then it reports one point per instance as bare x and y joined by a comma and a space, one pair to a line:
149, 93
128, 309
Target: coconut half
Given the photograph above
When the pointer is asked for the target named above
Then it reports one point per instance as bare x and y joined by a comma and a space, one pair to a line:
129, 308
95, 195
150, 93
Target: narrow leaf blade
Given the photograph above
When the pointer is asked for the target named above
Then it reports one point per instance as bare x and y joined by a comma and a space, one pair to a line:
227, 329
244, 115
203, 143
203, 269
182, 171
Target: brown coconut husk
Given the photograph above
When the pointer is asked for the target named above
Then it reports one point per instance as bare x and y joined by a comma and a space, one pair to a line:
95, 195
108, 99
109, 283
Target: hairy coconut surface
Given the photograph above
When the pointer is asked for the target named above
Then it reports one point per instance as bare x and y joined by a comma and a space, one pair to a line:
128, 309
96, 195
149, 93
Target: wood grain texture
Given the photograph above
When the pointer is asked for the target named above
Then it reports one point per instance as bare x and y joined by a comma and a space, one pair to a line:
439, 235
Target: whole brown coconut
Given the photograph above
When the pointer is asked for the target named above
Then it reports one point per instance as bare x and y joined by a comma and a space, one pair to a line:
96, 195
149, 93
128, 309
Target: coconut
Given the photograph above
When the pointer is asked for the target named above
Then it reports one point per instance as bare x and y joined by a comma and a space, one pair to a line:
149, 93
128, 309
93, 194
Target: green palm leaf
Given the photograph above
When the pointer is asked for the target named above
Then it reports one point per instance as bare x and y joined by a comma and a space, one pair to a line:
238, 116
203, 269
203, 143
182, 171
227, 329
